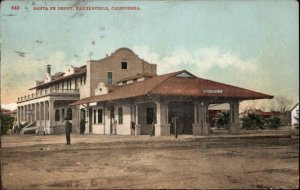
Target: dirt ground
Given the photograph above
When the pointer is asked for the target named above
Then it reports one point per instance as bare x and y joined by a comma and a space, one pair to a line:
101, 162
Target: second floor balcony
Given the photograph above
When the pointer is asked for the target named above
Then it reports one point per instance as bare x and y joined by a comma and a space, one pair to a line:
49, 92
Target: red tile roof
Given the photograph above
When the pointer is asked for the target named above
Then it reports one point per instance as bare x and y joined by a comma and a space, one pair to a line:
170, 84
146, 75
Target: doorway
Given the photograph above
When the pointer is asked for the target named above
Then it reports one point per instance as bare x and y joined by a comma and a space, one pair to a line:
184, 111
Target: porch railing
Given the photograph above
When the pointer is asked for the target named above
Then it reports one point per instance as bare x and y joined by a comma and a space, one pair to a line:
48, 92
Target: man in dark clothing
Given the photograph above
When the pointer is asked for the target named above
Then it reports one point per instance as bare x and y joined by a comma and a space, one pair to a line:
132, 128
82, 126
68, 131
153, 129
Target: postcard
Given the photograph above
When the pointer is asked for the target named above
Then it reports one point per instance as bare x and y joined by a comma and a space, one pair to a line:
149, 94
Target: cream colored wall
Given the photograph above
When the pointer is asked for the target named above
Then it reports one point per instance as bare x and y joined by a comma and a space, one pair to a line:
123, 129
97, 70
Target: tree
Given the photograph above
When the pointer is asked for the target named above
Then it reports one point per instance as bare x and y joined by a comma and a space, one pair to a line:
6, 123
223, 119
283, 104
252, 121
273, 122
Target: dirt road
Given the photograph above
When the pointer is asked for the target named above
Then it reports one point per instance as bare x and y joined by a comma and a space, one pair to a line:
145, 162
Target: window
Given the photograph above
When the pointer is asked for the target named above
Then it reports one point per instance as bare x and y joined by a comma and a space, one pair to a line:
69, 114
124, 65
120, 113
134, 80
150, 115
109, 77
124, 82
99, 115
63, 114
57, 115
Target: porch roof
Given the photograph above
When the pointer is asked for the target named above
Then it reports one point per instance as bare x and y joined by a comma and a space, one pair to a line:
181, 83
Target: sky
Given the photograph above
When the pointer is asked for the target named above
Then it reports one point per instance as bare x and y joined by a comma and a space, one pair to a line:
250, 44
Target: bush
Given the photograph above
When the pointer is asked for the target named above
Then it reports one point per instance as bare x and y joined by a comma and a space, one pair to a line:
222, 120
252, 121
6, 123
273, 122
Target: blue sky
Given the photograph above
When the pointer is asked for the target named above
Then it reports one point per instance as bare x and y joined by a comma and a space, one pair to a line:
251, 44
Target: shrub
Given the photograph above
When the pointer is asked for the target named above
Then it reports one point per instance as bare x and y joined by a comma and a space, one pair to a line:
273, 122
222, 120
6, 123
252, 121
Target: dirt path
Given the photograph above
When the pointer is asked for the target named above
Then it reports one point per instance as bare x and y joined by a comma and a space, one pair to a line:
157, 163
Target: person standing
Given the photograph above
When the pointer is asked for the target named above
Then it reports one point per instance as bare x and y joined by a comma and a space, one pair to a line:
68, 131
82, 126
153, 129
132, 128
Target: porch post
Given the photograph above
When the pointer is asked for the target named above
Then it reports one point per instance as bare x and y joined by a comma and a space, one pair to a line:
51, 114
137, 126
234, 126
162, 128
37, 115
197, 128
204, 118
33, 112
28, 113
25, 114
18, 114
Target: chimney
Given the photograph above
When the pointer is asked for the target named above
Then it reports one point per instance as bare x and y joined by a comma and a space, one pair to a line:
49, 69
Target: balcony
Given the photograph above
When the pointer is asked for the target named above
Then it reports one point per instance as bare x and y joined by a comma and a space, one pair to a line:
49, 92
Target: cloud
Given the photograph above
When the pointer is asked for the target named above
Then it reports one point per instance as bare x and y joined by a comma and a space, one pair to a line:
11, 106
19, 75
201, 60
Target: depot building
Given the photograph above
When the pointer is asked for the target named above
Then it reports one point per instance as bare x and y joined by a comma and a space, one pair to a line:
122, 94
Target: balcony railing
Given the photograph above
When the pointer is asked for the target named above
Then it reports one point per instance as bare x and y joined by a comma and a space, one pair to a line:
48, 92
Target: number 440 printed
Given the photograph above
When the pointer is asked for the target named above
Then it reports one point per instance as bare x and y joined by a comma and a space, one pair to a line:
15, 7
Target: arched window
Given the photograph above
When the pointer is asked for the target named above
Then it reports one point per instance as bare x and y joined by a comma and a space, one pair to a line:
69, 114
57, 115
120, 113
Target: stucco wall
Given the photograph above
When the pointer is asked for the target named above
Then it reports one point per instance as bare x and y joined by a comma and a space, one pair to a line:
97, 70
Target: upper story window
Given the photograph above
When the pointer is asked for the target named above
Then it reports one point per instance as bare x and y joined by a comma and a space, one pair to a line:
109, 77
124, 65
82, 79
